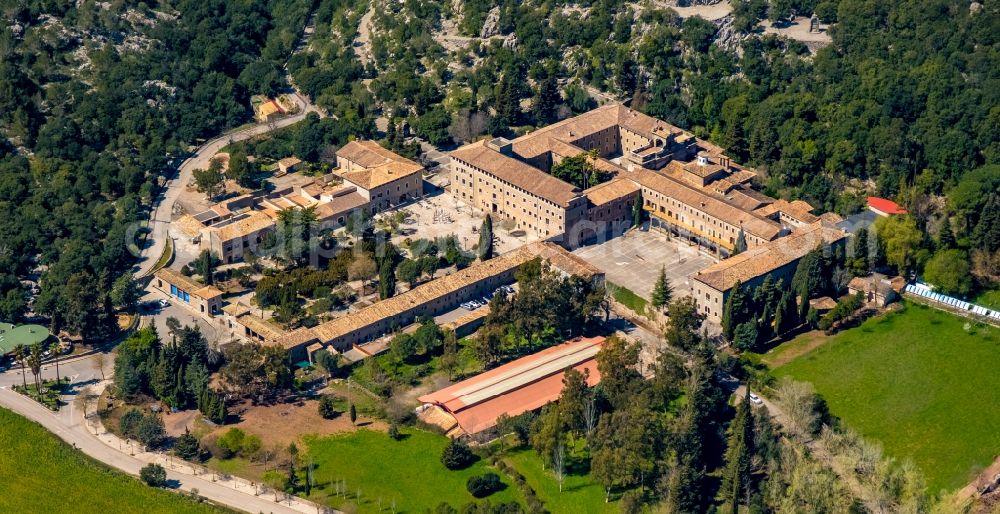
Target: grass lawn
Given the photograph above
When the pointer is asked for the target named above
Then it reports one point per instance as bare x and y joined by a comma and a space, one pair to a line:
924, 383
989, 299
629, 298
40, 473
407, 471
580, 493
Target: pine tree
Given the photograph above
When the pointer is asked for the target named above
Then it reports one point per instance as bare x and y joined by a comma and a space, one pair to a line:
736, 479
353, 412
546, 100
486, 239
741, 242
662, 292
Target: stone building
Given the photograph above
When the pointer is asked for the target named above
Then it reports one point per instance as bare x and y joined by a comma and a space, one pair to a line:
382, 177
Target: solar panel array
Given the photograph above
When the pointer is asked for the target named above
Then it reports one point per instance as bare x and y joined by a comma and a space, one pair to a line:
925, 291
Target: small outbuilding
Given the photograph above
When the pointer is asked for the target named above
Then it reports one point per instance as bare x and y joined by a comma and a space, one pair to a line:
878, 289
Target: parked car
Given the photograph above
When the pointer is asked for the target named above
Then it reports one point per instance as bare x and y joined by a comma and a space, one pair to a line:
163, 303
754, 399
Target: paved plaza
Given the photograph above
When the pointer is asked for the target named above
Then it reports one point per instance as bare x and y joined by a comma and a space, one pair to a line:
634, 260
440, 215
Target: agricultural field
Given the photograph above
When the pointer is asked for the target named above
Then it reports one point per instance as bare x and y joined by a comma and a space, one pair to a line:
922, 382
40, 473
408, 471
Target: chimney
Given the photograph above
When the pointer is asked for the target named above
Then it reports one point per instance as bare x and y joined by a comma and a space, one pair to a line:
702, 160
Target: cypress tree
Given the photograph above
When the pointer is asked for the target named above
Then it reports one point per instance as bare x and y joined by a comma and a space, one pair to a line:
637, 210
741, 242
730, 314
386, 280
486, 239
803, 302
946, 237
736, 480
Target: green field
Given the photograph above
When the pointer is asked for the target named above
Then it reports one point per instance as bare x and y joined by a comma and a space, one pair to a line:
39, 473
924, 383
407, 471
580, 492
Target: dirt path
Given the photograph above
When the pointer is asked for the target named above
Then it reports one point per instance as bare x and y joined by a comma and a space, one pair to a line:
819, 450
792, 351
709, 12
798, 30
363, 43
982, 479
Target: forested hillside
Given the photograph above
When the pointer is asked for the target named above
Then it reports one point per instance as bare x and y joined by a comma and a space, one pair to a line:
904, 102
94, 99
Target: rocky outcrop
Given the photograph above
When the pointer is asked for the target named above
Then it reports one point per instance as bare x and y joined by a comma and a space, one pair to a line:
688, 3
727, 37
491, 27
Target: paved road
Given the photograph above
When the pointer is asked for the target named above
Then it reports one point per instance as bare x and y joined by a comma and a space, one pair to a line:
163, 209
68, 425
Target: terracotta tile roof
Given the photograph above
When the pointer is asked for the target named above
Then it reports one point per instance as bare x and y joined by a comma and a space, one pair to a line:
249, 225
567, 262
677, 190
430, 291
187, 284
381, 166
610, 191
269, 331
552, 137
797, 209
523, 385
236, 309
338, 205
289, 161
766, 258
189, 226
517, 173
702, 170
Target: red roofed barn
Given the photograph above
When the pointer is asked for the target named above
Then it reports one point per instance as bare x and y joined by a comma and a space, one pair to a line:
473, 406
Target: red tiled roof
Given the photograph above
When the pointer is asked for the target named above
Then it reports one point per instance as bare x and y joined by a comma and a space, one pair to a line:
517, 387
886, 206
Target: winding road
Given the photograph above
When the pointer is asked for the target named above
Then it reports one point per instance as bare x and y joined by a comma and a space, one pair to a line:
164, 204
69, 423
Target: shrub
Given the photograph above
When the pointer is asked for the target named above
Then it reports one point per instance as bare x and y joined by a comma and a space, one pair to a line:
457, 455
154, 475
327, 408
129, 422
231, 443
483, 485
187, 447
150, 431
394, 432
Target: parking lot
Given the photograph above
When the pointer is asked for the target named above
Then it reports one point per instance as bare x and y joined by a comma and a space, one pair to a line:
634, 261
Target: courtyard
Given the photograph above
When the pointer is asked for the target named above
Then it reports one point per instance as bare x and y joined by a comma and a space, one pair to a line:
441, 214
634, 260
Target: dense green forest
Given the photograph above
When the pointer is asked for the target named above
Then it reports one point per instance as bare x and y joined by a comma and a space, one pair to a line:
95, 98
